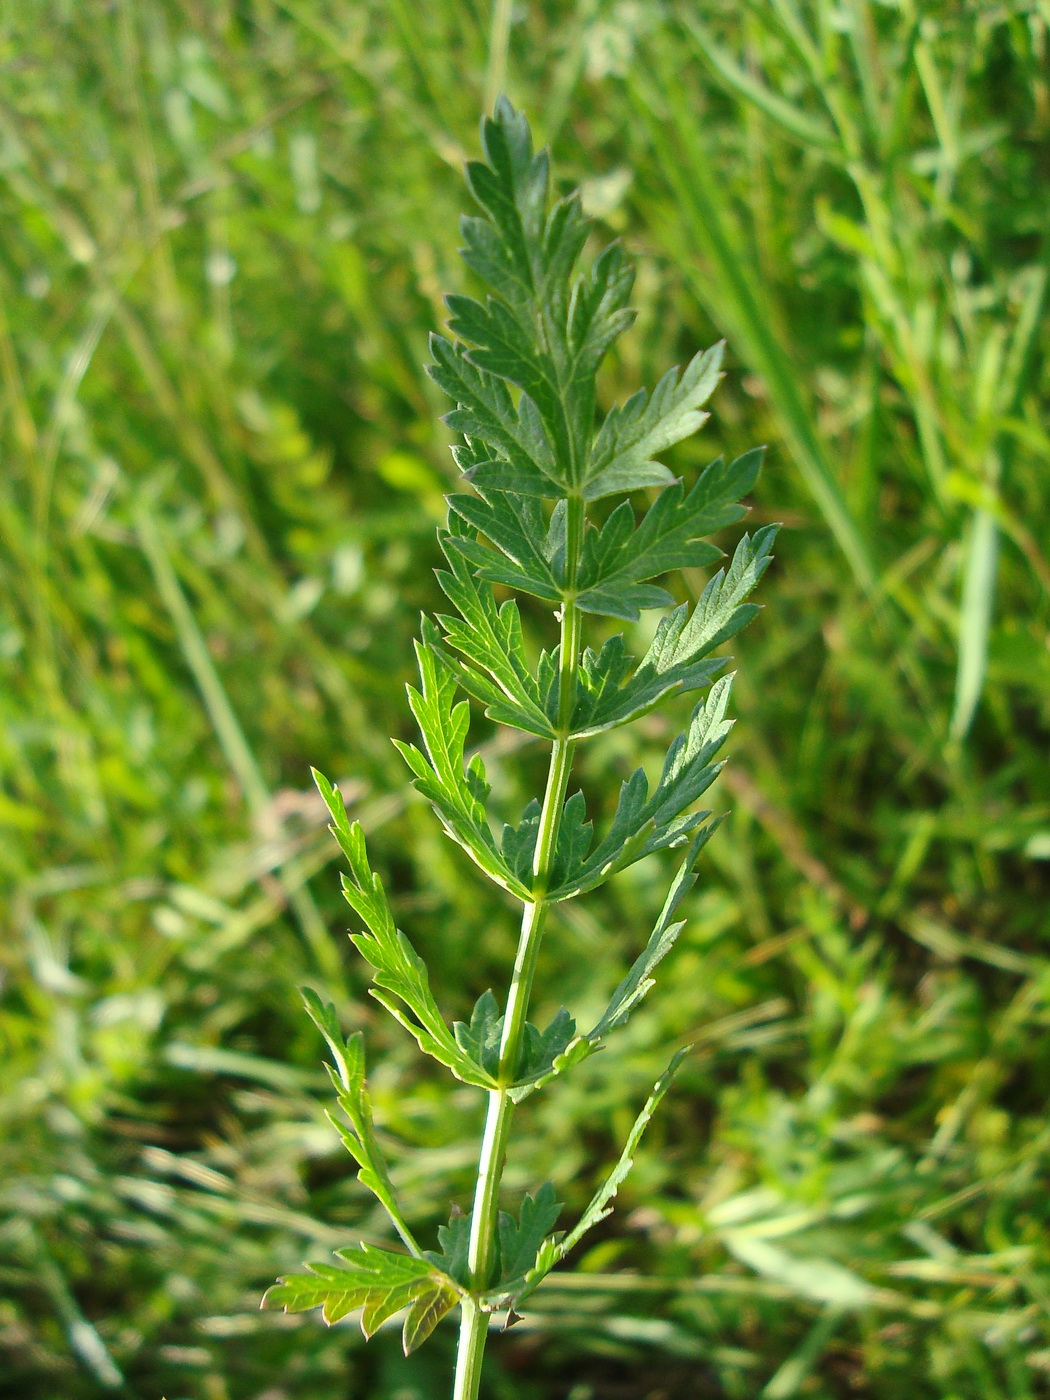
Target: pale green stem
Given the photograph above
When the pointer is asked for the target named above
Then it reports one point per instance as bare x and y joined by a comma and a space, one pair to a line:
474, 1323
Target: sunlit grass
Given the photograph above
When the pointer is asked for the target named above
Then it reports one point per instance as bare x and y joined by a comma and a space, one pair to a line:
227, 228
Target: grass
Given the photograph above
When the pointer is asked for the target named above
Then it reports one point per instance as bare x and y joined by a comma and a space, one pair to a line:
227, 228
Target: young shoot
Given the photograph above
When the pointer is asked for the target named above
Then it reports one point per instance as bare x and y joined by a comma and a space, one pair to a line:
520, 368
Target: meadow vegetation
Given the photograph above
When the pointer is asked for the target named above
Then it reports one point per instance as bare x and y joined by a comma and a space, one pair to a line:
228, 229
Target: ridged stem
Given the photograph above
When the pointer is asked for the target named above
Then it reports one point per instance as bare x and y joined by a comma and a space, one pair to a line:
473, 1330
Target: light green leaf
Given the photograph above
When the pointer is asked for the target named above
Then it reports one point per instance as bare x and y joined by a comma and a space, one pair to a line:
552, 1250
455, 790
424, 1315
662, 939
377, 1281
794, 120
348, 1076
400, 974
975, 620
820, 1280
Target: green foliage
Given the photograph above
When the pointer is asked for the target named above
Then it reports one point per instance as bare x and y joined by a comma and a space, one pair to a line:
552, 1249
542, 335
622, 456
400, 974
226, 227
348, 1076
619, 558
380, 1284
456, 790
521, 1241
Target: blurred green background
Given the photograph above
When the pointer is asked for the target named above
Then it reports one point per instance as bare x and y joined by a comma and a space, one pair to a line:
228, 225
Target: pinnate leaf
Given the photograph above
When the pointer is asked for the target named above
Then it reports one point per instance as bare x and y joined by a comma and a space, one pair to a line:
542, 1048
553, 1249
511, 188
378, 1282
454, 1239
518, 454
400, 978
348, 1076
678, 659
544, 330
721, 613
456, 790
635, 984
480, 1036
504, 344
494, 668
623, 457
662, 939
520, 1240
621, 556
644, 822
532, 550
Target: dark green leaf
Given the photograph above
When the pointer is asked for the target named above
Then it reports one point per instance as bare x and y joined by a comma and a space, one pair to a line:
623, 456
490, 639
643, 823
520, 1240
599, 314
544, 330
575, 834
454, 1239
504, 345
542, 1048
512, 190
515, 439
519, 843
678, 658
620, 557
480, 1037
720, 613
534, 552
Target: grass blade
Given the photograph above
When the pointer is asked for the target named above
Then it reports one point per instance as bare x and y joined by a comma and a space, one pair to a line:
728, 288
228, 729
975, 620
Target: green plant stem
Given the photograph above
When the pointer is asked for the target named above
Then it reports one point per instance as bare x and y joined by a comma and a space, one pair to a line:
485, 1218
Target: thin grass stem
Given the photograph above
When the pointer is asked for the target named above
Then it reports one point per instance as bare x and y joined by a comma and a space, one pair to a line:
499, 43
